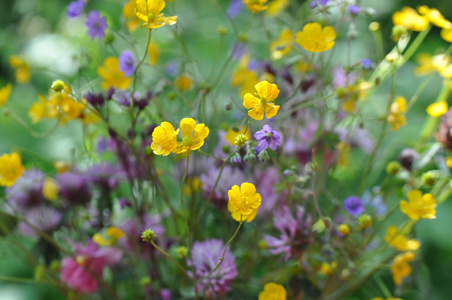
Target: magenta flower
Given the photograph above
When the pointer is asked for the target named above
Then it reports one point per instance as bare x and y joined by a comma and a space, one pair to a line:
82, 271
268, 137
96, 25
295, 233
205, 257
127, 63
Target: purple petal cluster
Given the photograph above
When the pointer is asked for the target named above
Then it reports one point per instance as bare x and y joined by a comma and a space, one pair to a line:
205, 257
96, 25
354, 9
354, 205
75, 8
268, 137
127, 63
75, 188
42, 218
295, 233
27, 190
235, 6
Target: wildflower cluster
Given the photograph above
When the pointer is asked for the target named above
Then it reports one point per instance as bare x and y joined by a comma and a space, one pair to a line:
300, 163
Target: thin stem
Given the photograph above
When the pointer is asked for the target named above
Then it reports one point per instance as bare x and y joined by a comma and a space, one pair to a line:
173, 260
213, 156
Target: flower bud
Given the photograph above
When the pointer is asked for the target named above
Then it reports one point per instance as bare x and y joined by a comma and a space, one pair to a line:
364, 221
344, 229
182, 252
429, 178
148, 235
222, 30
57, 85
393, 168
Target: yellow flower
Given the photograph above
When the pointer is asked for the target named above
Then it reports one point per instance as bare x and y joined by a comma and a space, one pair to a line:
449, 161
11, 168
154, 53
22, 73
446, 34
396, 118
128, 11
111, 75
434, 16
50, 189
419, 206
400, 267
164, 139
255, 6
398, 106
183, 83
62, 166
328, 269
243, 202
266, 93
276, 7
437, 109
5, 92
429, 64
392, 298
283, 45
410, 19
314, 38
400, 241
112, 235
193, 136
344, 229
231, 135
148, 11
273, 291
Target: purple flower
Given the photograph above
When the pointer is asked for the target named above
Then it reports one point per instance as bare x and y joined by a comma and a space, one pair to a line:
295, 233
127, 63
354, 205
165, 294
75, 188
235, 6
268, 137
95, 99
124, 98
316, 3
205, 257
43, 218
265, 183
124, 202
105, 176
96, 25
27, 190
353, 9
75, 8
367, 63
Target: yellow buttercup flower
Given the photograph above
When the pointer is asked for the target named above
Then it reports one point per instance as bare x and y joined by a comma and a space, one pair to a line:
50, 189
419, 206
446, 34
255, 6
111, 75
314, 38
22, 73
328, 269
396, 118
154, 53
275, 7
392, 298
183, 83
429, 64
410, 19
273, 291
263, 103
111, 237
243, 202
164, 139
344, 229
231, 135
434, 16
400, 267
400, 241
437, 109
11, 168
283, 45
5, 92
149, 11
128, 11
193, 136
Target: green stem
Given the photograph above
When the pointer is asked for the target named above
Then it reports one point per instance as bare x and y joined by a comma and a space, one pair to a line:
173, 260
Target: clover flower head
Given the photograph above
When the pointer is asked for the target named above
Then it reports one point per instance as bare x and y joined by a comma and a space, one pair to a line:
263, 101
205, 258
316, 38
243, 202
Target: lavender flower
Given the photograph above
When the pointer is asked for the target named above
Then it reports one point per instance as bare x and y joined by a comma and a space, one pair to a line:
95, 100
295, 233
354, 205
205, 258
367, 63
316, 3
96, 25
127, 63
27, 190
235, 6
75, 188
43, 218
353, 9
75, 8
124, 98
105, 176
268, 137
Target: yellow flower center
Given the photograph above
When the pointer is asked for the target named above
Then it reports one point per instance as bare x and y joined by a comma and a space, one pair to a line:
187, 140
151, 17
